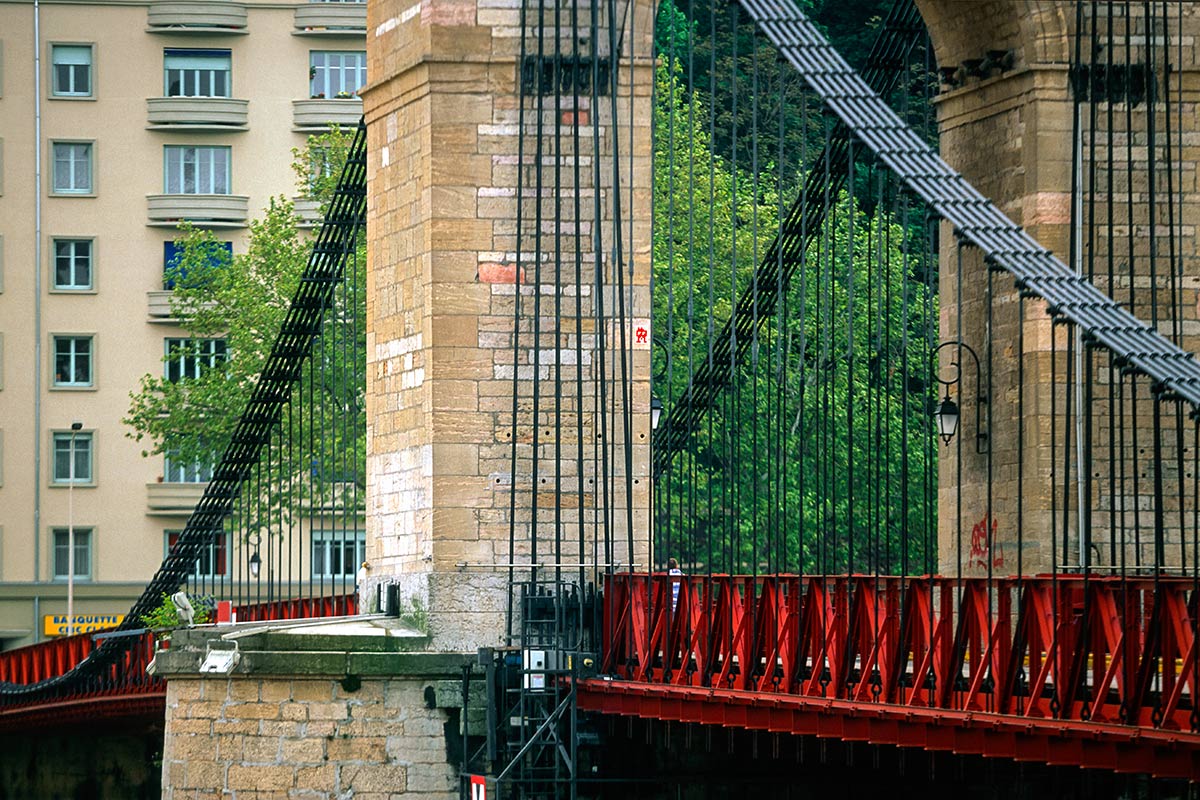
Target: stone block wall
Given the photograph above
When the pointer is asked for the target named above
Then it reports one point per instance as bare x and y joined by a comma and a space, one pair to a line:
280, 738
1013, 136
453, 165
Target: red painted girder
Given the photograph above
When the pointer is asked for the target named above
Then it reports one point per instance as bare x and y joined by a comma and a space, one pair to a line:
1056, 648
123, 688
1123, 748
144, 706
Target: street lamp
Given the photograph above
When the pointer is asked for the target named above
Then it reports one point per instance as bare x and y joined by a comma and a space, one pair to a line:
656, 409
76, 427
947, 415
947, 418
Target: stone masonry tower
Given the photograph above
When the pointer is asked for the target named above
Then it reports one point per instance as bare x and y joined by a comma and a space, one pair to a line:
454, 163
1013, 133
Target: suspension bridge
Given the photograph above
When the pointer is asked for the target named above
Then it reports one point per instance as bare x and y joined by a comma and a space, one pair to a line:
696, 387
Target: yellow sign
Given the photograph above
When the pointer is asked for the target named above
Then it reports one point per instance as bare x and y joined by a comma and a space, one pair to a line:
56, 624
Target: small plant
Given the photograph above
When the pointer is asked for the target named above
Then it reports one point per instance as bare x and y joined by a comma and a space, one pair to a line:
166, 616
318, 96
343, 95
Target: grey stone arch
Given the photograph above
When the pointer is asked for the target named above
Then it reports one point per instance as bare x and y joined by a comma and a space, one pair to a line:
1037, 31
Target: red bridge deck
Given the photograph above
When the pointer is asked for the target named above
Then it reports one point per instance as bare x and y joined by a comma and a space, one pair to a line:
1097, 673
122, 690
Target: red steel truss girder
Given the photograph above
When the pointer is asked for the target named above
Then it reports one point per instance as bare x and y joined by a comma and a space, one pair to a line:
1123, 748
1065, 653
143, 707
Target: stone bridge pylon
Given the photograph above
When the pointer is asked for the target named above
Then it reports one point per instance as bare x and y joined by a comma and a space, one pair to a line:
485, 217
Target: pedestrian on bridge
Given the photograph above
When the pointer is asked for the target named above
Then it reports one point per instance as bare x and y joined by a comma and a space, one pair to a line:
674, 570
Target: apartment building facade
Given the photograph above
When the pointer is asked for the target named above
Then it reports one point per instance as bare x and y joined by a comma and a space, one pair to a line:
118, 120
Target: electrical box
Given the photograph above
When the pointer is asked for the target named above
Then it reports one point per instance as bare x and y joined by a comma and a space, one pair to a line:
535, 669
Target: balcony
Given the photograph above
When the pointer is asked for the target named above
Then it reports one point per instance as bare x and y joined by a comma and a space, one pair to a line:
331, 19
309, 212
158, 304
173, 498
202, 210
197, 113
207, 17
316, 114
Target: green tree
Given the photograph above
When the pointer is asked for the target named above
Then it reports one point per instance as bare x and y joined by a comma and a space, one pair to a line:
189, 411
725, 62
766, 479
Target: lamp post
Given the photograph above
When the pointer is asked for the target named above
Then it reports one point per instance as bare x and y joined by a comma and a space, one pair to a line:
947, 413
76, 427
656, 409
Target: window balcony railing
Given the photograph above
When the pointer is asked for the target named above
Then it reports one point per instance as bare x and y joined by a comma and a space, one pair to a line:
331, 19
202, 210
173, 498
196, 17
197, 113
316, 114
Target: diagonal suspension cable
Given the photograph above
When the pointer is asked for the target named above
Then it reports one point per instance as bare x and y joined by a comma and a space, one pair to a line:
334, 245
1134, 345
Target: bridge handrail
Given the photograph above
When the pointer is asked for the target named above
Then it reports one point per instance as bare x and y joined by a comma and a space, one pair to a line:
56, 658
1109, 650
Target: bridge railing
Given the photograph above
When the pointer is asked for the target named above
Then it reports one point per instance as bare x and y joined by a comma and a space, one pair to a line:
127, 674
1105, 650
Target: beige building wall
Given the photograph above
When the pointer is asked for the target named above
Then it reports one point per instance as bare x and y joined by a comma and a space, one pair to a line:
128, 507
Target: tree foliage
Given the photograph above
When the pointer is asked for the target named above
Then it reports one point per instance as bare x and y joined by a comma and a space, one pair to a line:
831, 400
243, 299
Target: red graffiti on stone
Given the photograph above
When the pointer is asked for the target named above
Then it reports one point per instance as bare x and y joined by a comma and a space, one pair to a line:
641, 334
983, 543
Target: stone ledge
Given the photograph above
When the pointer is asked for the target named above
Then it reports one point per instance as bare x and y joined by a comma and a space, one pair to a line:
368, 646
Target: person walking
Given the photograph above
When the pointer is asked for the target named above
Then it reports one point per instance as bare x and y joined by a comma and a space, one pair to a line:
674, 570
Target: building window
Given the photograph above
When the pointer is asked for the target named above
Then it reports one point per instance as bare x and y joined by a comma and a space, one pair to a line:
187, 359
73, 360
72, 168
72, 264
322, 163
72, 70
218, 255
336, 74
213, 560
181, 470
83, 553
72, 457
196, 73
337, 553
196, 170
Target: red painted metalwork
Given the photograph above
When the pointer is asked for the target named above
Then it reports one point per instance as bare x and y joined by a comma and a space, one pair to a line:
1044, 663
123, 689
